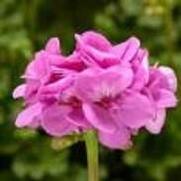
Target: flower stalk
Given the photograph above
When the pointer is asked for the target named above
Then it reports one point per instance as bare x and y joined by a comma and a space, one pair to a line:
92, 155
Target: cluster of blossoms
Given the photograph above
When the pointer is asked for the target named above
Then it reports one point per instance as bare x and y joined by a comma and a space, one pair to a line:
108, 88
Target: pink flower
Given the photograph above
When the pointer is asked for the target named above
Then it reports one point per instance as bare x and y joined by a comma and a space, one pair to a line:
161, 90
95, 49
111, 106
100, 86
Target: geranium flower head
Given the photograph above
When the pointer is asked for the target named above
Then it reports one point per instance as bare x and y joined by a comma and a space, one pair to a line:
101, 86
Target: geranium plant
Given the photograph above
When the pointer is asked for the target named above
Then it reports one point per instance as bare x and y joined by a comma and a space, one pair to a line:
101, 92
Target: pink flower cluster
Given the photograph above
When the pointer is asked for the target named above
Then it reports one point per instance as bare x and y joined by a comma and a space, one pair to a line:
108, 88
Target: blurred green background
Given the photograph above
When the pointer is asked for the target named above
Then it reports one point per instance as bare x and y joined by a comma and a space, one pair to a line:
25, 25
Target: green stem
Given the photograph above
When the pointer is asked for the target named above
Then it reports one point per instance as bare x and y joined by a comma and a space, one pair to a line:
92, 155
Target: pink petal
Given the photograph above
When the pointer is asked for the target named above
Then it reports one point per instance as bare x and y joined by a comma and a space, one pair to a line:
94, 49
71, 62
29, 115
132, 49
119, 49
99, 117
165, 98
93, 39
124, 76
108, 83
32, 87
170, 76
103, 58
140, 79
53, 46
88, 60
76, 116
39, 67
135, 110
54, 121
141, 69
120, 139
158, 80
155, 125
55, 89
19, 91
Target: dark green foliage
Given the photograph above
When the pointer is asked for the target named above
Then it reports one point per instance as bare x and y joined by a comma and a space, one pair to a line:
25, 26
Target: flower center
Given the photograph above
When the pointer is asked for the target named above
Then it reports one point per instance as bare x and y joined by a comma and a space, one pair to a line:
105, 102
73, 102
